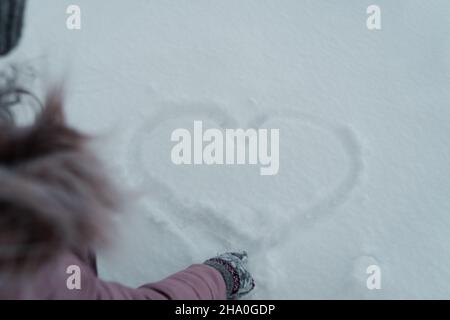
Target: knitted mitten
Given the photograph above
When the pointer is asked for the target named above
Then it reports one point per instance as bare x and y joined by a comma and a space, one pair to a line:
238, 280
11, 18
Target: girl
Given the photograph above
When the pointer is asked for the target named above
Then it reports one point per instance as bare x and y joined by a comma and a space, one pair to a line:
55, 202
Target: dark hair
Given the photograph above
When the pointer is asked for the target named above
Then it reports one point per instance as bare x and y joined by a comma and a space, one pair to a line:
13, 94
54, 193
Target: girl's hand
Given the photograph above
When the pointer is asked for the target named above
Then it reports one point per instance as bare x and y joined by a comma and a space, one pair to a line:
232, 266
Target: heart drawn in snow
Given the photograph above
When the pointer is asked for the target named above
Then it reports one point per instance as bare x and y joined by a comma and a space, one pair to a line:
320, 164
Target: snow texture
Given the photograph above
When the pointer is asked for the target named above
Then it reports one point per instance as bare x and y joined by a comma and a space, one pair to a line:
364, 135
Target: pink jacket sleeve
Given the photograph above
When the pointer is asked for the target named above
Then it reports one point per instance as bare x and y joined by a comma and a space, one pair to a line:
196, 282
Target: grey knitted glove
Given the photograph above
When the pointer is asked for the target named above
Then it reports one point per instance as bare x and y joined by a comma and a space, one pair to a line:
238, 280
11, 19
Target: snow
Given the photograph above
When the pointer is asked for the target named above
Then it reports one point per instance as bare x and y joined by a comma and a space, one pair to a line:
364, 136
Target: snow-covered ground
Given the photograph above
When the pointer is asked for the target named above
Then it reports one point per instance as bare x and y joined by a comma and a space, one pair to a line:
364, 121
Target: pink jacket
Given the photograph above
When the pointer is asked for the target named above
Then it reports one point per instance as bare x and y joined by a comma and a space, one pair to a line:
50, 282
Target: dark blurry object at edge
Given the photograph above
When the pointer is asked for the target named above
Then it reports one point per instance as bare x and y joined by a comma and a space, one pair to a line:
11, 21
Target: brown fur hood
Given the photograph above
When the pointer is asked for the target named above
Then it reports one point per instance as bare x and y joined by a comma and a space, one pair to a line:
54, 195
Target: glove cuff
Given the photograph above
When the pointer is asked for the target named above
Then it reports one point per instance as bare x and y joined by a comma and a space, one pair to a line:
229, 274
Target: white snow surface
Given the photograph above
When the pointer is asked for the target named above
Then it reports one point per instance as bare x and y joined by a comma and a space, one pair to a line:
364, 121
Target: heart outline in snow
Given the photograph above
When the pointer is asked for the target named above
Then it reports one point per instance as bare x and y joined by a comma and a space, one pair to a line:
197, 213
